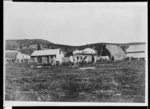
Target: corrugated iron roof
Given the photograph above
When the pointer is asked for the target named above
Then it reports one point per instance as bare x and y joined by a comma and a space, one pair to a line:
86, 51
45, 52
89, 50
136, 48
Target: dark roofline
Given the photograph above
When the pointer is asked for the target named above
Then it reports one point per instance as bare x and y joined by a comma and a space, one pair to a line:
43, 55
136, 52
85, 54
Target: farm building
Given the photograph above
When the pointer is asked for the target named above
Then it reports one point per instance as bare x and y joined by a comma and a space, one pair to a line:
107, 51
116, 52
136, 51
85, 51
77, 51
46, 56
16, 56
113, 52
88, 52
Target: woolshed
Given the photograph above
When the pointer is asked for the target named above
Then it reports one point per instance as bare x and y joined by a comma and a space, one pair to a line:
136, 51
114, 52
16, 56
47, 55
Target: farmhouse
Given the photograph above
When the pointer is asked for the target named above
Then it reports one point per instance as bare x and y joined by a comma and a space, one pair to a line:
16, 56
47, 56
136, 51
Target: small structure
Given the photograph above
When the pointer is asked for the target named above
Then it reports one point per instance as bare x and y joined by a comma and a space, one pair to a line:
136, 51
89, 51
77, 51
48, 56
22, 57
87, 54
13, 56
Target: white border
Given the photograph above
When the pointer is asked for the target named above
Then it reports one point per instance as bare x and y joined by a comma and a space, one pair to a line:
31, 103
17, 103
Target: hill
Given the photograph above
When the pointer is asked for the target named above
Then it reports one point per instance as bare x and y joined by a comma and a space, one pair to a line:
27, 46
26, 43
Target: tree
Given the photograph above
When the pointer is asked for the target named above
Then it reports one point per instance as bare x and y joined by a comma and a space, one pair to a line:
39, 47
65, 49
21, 46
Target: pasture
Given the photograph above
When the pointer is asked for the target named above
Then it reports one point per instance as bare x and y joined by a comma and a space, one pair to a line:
120, 81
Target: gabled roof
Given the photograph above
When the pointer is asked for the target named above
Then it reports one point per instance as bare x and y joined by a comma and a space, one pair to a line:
86, 51
89, 50
16, 54
22, 56
45, 52
77, 51
136, 48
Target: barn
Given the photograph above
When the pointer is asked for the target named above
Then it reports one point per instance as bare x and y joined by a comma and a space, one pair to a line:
12, 56
113, 52
136, 51
47, 55
116, 52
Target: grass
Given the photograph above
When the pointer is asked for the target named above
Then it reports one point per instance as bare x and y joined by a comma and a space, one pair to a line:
121, 81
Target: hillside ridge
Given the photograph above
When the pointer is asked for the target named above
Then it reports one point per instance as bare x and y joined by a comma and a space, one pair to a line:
27, 46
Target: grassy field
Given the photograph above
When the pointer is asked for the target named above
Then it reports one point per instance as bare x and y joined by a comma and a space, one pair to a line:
122, 81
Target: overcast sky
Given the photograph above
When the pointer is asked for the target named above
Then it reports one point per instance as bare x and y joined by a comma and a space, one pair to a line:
76, 23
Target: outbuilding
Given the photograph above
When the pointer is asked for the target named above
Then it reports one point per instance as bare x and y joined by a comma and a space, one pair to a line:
111, 52
14, 56
116, 52
47, 55
87, 53
136, 51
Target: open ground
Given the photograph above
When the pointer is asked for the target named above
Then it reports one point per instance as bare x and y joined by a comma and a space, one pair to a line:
120, 81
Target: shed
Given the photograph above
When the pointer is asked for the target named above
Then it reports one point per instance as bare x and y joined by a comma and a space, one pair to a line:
46, 56
136, 51
88, 53
15, 56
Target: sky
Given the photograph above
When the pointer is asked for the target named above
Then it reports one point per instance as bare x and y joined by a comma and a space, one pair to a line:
76, 23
